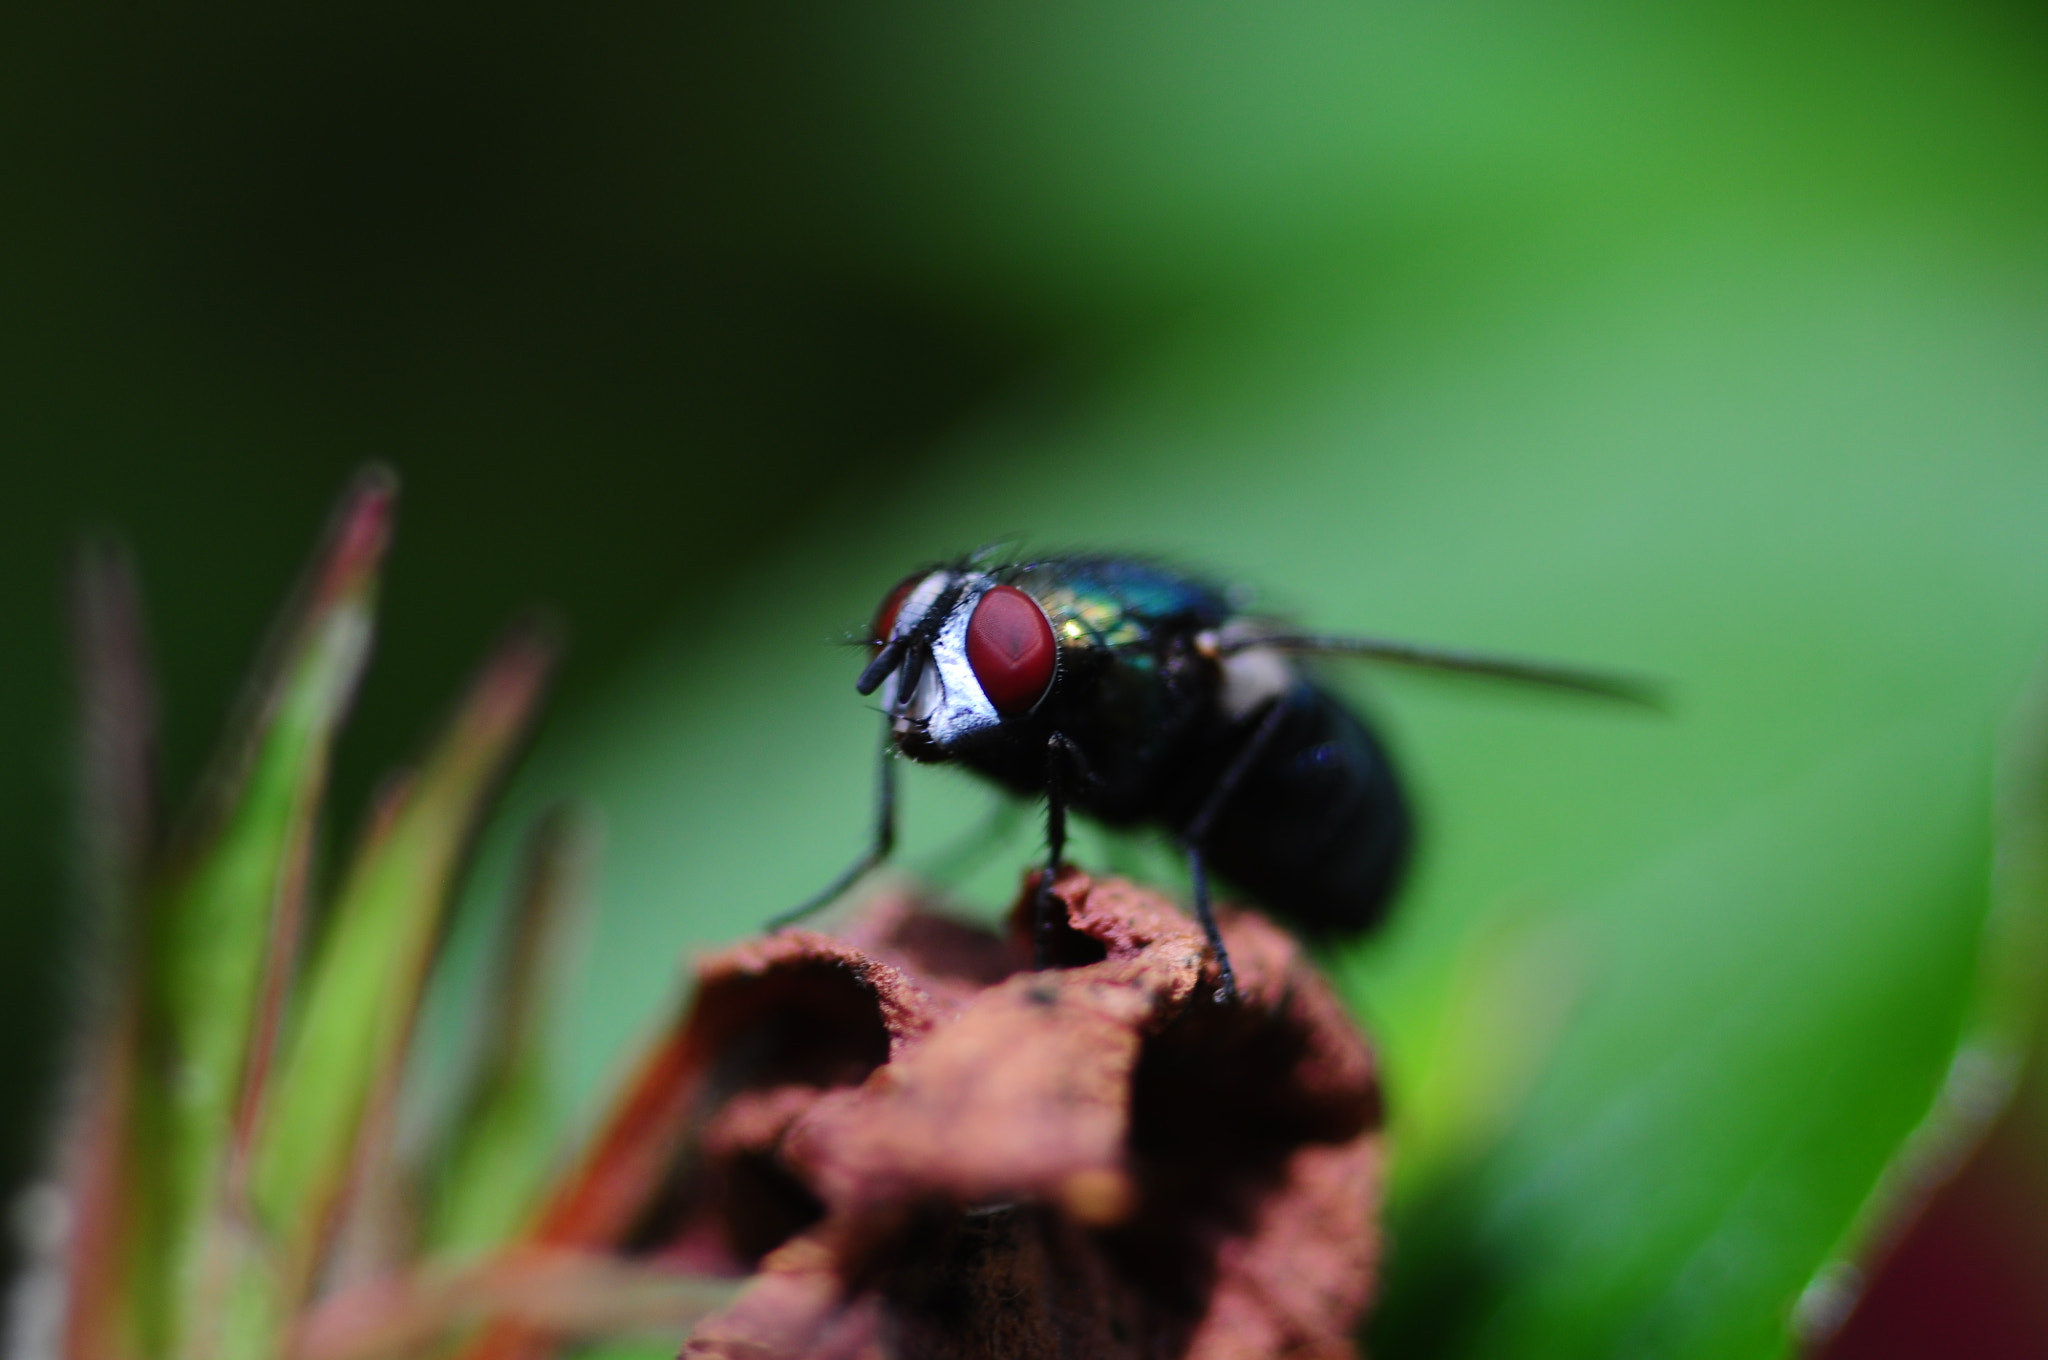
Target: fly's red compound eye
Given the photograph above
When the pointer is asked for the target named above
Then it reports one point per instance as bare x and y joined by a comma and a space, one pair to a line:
885, 617
1010, 646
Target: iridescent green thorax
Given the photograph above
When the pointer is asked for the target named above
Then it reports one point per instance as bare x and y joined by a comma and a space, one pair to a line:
1102, 602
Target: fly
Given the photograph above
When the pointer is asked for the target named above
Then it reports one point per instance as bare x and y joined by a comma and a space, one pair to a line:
1142, 696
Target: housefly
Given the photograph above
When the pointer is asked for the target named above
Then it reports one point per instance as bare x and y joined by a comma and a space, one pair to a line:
1143, 696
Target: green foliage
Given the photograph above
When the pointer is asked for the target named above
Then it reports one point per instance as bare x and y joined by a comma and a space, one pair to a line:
348, 1039
1703, 341
222, 928
236, 1141
499, 1154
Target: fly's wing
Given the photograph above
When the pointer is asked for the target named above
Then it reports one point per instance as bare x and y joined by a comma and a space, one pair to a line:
1548, 675
998, 551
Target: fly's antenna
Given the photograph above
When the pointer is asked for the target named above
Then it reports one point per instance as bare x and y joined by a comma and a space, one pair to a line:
876, 671
909, 650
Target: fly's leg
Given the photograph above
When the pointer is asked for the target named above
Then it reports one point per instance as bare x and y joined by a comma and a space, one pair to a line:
1191, 839
884, 842
1198, 875
1059, 754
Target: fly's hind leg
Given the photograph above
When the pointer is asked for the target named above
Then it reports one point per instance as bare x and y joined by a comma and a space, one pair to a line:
884, 841
1198, 875
1191, 839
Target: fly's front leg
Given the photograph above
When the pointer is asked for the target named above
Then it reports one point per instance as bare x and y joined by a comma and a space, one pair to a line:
1191, 839
1059, 757
878, 850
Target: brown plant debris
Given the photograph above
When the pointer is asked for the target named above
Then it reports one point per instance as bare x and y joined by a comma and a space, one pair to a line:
918, 1147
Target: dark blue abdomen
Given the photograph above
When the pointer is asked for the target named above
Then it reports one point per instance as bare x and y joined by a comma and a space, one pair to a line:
1319, 830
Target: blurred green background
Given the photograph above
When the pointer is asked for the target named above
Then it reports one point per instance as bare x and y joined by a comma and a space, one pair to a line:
1706, 341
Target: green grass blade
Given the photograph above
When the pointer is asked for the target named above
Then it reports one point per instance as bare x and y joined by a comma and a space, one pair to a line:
221, 920
500, 1149
348, 1038
117, 774
117, 815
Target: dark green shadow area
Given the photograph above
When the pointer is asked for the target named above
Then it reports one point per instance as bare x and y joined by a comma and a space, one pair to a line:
580, 297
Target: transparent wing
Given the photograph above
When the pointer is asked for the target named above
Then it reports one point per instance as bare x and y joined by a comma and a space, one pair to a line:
1548, 674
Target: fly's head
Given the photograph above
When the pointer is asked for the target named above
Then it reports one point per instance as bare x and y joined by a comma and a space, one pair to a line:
956, 655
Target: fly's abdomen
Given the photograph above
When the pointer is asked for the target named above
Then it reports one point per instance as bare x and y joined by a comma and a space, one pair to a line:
1319, 830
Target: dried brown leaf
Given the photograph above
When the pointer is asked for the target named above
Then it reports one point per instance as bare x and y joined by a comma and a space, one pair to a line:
911, 1138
